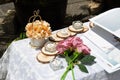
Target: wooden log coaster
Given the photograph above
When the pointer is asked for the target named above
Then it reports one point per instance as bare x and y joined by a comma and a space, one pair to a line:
55, 38
64, 33
71, 28
50, 48
91, 25
85, 29
49, 53
72, 33
44, 58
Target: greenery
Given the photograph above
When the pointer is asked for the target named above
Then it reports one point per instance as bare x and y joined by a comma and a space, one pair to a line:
78, 59
21, 36
75, 53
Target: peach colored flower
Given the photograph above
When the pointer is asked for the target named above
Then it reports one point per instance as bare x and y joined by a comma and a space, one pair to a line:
38, 29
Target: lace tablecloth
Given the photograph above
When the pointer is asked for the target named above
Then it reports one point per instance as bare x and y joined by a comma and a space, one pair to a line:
19, 63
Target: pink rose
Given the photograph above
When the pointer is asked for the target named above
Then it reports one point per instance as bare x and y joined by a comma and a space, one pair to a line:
70, 39
72, 43
67, 43
61, 49
77, 42
62, 46
84, 49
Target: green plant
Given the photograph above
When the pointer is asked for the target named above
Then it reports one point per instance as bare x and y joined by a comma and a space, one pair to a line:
21, 36
75, 53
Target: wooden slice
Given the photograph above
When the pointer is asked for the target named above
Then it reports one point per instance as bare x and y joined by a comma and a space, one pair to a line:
54, 37
85, 29
44, 58
49, 53
72, 33
61, 35
50, 48
91, 25
71, 28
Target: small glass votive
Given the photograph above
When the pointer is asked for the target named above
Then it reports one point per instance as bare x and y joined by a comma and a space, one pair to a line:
64, 31
51, 47
77, 24
56, 64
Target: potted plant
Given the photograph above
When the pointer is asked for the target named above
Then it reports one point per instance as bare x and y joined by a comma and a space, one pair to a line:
53, 11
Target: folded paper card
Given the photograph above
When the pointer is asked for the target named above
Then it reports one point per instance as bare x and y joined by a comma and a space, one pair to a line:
109, 21
105, 34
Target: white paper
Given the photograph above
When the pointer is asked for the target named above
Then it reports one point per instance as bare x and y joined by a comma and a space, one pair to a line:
109, 20
108, 55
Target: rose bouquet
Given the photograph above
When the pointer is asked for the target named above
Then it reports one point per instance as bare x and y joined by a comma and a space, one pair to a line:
38, 29
75, 53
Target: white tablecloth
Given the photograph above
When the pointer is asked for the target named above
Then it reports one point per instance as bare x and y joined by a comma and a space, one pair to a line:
19, 63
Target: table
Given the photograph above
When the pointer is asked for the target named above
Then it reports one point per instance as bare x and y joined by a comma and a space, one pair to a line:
19, 63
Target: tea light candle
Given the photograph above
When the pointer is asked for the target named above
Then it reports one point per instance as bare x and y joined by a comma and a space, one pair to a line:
51, 47
56, 64
77, 24
64, 32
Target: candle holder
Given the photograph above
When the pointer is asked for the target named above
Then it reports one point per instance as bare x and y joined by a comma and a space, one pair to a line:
56, 64
77, 24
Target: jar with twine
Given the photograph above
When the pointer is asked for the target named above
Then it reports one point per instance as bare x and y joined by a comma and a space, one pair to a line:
37, 30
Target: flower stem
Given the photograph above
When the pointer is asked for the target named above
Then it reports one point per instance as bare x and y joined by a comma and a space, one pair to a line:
65, 73
73, 76
74, 58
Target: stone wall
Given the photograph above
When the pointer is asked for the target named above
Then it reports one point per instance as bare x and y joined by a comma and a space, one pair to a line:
5, 1
82, 10
6, 25
76, 10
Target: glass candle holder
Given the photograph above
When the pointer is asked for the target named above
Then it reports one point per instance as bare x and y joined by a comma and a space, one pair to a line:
77, 24
64, 31
56, 64
37, 43
51, 47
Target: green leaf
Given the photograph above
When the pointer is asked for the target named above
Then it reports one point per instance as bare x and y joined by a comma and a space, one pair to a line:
82, 68
80, 57
88, 59
21, 35
24, 35
68, 59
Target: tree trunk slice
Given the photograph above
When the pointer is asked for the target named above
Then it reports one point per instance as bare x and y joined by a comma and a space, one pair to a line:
71, 28
55, 38
48, 53
59, 34
44, 58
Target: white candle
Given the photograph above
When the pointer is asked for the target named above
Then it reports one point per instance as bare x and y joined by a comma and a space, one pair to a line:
64, 32
51, 47
56, 64
77, 24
